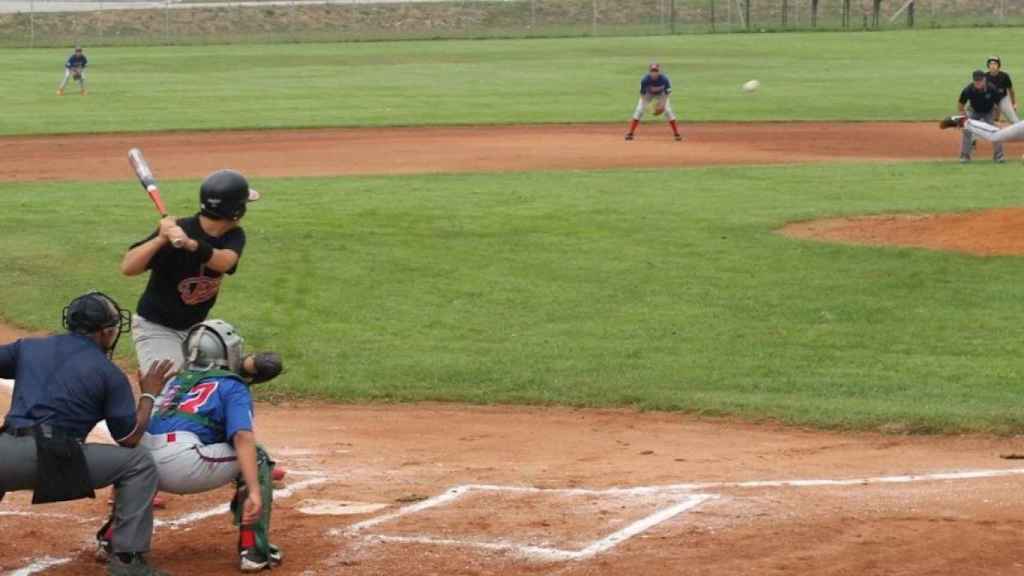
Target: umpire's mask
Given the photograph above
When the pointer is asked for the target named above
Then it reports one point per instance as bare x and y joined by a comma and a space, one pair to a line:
95, 311
211, 345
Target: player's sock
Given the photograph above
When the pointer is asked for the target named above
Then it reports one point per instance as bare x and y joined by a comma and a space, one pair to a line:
633, 124
675, 127
246, 538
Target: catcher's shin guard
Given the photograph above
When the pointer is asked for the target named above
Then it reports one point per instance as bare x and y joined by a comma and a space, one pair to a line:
254, 539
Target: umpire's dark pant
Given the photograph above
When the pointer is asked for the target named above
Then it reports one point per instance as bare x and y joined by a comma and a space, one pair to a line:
130, 470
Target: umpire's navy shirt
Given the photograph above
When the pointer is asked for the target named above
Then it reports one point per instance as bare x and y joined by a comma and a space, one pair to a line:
68, 382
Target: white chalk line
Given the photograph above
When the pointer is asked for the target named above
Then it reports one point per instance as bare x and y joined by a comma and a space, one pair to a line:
558, 554
607, 543
192, 518
39, 565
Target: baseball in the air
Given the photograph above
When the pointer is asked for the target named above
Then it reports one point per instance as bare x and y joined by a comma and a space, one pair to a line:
751, 85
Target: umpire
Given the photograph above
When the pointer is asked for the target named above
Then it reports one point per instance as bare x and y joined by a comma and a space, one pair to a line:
984, 100
63, 386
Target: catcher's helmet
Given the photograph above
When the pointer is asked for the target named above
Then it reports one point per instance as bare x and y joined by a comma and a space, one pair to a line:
224, 195
95, 311
213, 344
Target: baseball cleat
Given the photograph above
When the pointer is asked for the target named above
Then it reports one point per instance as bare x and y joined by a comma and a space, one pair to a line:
104, 550
629, 136
60, 92
137, 566
678, 137
952, 122
252, 561
159, 502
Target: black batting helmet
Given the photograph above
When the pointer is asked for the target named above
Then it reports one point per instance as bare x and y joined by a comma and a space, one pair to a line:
225, 194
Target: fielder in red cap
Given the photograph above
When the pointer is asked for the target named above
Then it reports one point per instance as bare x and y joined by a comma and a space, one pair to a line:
657, 88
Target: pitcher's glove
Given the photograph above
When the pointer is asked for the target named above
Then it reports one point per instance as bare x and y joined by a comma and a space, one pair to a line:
265, 366
659, 111
76, 74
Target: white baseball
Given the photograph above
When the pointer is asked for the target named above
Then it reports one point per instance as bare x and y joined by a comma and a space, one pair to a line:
751, 85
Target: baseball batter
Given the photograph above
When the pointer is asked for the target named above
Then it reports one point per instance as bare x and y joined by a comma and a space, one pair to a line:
1004, 85
74, 69
184, 281
201, 435
655, 88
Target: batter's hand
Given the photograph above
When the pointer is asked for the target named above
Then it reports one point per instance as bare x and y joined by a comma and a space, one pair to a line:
155, 378
177, 237
252, 508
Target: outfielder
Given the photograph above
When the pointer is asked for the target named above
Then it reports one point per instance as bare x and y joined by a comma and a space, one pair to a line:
983, 99
657, 88
74, 69
201, 435
63, 386
184, 282
1004, 85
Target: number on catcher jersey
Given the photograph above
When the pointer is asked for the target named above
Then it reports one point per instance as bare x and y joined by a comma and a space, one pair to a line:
198, 396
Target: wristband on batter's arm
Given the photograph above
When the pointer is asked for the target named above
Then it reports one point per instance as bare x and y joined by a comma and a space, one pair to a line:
203, 250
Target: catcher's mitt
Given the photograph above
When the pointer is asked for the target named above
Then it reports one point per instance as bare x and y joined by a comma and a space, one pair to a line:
268, 366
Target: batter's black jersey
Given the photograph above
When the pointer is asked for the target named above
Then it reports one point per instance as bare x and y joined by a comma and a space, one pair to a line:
181, 290
1000, 81
982, 101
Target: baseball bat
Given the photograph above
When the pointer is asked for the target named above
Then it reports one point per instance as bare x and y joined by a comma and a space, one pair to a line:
149, 183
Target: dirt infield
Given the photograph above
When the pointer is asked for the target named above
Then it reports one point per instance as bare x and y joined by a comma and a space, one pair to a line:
450, 490
329, 152
985, 233
440, 489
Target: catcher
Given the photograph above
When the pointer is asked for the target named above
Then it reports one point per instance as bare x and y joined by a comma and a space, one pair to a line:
74, 69
201, 436
654, 87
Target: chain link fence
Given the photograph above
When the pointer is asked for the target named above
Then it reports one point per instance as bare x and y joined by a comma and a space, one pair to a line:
118, 22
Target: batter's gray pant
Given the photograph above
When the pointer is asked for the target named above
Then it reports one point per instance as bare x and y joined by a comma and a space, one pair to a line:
130, 470
154, 342
968, 135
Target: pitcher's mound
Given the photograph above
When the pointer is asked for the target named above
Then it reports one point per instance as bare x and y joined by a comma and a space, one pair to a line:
998, 232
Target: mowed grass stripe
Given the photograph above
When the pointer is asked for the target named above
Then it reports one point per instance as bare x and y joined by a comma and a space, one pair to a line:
905, 75
654, 289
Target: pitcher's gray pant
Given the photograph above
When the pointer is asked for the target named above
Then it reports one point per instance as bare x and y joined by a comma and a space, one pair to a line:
979, 120
130, 470
154, 342
1006, 107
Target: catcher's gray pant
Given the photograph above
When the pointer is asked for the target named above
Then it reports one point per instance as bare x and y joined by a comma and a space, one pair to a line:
130, 470
154, 342
187, 466
1006, 107
67, 75
979, 120
660, 100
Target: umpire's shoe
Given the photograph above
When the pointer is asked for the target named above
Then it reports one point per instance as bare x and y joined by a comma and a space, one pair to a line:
952, 122
131, 565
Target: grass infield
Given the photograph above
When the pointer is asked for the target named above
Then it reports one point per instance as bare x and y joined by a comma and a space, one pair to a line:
905, 75
654, 289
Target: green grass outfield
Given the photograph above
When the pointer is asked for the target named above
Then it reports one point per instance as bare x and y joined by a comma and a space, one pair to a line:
655, 289
906, 75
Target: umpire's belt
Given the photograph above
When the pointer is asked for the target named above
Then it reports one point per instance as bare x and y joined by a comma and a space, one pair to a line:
44, 430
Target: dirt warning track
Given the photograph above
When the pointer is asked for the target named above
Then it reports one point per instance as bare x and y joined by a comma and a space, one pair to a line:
332, 152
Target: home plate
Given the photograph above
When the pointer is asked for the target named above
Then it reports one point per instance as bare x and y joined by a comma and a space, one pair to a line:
337, 507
